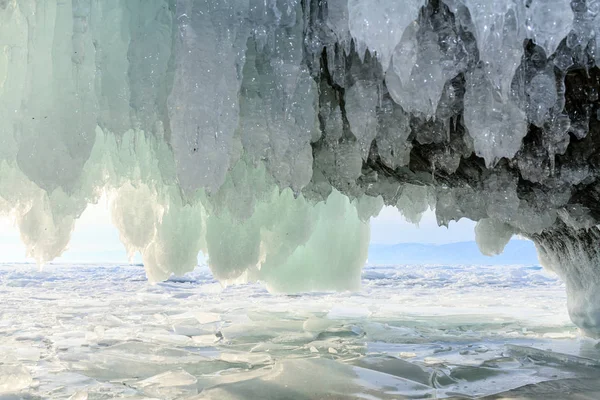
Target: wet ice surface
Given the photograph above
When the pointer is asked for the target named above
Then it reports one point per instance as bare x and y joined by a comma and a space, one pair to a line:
102, 332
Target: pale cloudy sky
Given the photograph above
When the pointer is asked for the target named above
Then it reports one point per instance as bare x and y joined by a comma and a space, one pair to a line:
96, 240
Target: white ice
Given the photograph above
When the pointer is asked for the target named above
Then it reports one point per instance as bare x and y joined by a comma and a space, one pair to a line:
88, 330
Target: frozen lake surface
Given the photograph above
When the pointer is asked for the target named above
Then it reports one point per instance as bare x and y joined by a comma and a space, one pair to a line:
102, 332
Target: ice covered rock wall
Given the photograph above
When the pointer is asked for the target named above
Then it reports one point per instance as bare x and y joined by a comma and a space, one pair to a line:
575, 256
267, 133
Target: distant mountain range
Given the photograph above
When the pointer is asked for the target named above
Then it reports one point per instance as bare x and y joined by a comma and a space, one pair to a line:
464, 253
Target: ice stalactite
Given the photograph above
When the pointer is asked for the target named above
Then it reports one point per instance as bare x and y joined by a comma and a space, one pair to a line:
267, 133
492, 236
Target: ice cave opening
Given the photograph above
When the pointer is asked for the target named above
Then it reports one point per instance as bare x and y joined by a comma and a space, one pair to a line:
266, 134
433, 317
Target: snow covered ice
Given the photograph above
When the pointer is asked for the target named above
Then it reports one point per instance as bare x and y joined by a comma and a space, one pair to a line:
88, 331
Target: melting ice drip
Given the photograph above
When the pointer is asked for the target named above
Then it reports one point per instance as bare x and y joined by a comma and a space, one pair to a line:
267, 133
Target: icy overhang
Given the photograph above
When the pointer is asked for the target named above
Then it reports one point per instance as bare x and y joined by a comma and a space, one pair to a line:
267, 133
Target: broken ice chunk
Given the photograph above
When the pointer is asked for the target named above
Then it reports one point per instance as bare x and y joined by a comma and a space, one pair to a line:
14, 378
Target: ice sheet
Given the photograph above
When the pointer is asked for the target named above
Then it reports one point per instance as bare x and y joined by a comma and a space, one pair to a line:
411, 331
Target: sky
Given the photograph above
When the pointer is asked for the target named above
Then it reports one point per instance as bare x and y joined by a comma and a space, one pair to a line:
96, 240
390, 227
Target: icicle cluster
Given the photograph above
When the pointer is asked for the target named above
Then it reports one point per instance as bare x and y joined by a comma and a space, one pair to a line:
266, 133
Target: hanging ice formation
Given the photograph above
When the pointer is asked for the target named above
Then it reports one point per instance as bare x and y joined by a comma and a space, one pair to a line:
266, 133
